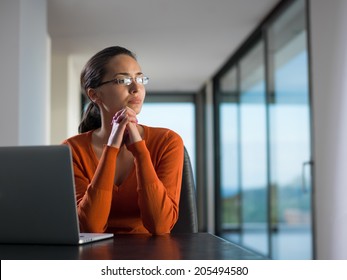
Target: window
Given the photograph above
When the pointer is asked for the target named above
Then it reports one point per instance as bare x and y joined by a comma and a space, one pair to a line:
289, 136
264, 139
253, 150
229, 177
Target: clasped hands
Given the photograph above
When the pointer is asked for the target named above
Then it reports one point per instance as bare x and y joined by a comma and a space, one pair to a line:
124, 128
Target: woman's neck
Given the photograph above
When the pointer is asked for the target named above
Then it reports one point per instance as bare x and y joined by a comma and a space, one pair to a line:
104, 131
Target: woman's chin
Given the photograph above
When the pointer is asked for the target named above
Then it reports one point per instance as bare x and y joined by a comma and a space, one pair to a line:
136, 107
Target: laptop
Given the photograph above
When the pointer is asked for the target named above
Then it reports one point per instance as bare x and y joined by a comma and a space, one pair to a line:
37, 197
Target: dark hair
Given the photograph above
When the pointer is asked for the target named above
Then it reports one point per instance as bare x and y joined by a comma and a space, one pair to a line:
91, 77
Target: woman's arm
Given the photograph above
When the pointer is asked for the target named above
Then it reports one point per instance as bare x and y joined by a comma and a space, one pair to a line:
94, 197
159, 187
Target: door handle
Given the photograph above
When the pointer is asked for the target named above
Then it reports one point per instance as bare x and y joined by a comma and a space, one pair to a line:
304, 164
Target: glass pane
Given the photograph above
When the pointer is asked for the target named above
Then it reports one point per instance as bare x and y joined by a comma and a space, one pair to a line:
290, 137
254, 203
229, 168
228, 83
229, 154
179, 117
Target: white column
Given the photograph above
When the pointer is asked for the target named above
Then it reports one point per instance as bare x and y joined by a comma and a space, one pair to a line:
24, 72
328, 35
9, 72
59, 101
66, 97
74, 107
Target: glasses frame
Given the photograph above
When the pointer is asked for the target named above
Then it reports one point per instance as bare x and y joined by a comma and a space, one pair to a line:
142, 80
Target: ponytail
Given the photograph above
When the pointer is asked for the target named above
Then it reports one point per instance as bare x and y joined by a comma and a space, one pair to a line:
91, 119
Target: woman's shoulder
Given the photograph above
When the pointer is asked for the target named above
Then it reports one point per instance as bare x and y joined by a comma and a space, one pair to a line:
79, 140
160, 133
163, 143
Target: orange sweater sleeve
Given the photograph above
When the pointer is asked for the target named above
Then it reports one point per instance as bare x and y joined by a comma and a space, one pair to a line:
94, 198
159, 187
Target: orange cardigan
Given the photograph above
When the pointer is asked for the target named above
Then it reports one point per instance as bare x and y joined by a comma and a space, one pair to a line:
147, 200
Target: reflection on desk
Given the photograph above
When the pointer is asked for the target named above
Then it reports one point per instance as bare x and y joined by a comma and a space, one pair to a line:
194, 246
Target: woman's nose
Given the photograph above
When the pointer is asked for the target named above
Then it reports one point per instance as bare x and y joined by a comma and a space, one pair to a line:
134, 87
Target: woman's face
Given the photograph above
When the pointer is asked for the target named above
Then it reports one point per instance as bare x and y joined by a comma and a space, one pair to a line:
112, 97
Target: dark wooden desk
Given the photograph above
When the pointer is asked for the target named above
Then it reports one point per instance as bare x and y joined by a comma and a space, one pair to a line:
196, 246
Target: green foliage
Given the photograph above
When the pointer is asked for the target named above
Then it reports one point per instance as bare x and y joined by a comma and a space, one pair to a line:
252, 205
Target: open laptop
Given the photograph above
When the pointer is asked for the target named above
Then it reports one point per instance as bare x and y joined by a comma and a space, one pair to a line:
37, 197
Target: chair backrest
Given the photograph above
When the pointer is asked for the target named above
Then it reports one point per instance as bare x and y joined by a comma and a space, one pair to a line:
187, 217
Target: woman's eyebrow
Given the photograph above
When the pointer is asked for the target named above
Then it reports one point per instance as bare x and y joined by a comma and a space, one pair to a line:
127, 74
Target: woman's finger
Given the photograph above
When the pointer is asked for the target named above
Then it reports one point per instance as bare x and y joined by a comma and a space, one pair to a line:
125, 113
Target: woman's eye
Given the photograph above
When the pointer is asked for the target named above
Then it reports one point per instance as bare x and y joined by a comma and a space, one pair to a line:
121, 81
125, 81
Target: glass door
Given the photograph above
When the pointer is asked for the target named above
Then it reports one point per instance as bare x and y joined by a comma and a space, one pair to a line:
265, 140
253, 151
229, 156
289, 133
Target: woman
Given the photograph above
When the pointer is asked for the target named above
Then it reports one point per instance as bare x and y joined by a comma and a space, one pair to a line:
127, 175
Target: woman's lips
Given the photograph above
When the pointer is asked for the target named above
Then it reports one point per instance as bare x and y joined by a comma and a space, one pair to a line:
135, 101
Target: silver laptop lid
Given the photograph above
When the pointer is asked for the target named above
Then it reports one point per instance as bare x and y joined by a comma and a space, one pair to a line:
37, 195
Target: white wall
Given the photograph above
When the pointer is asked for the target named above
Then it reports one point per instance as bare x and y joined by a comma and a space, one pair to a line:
24, 72
74, 97
9, 72
328, 22
59, 118
65, 99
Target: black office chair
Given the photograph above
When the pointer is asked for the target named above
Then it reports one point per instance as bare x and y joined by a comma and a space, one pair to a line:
187, 217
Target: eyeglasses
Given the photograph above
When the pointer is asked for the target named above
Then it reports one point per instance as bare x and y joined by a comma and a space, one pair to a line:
127, 81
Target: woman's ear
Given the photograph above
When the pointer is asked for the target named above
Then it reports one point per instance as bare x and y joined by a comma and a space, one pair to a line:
93, 95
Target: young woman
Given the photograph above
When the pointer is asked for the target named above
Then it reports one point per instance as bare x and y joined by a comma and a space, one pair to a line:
127, 175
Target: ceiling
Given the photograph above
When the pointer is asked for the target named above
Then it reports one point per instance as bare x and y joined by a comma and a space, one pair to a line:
180, 44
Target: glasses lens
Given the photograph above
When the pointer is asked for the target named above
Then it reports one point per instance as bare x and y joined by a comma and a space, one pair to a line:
128, 80
124, 81
142, 80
